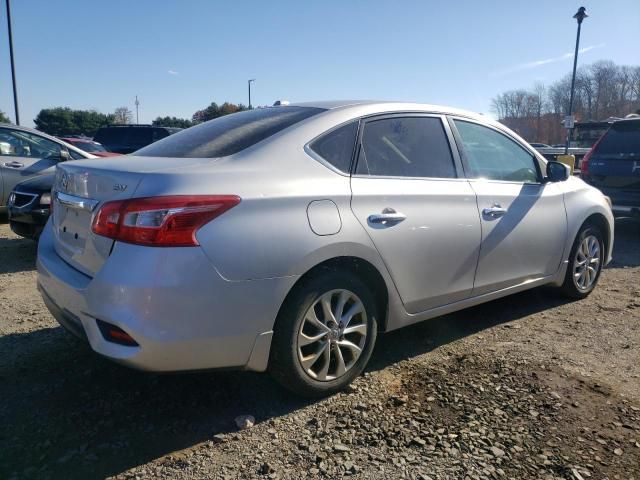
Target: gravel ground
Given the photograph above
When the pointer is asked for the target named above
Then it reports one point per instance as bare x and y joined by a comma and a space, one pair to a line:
529, 386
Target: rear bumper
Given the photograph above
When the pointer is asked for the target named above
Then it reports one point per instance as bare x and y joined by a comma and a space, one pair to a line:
172, 302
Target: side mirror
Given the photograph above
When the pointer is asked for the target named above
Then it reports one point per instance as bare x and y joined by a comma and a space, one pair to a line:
557, 172
64, 155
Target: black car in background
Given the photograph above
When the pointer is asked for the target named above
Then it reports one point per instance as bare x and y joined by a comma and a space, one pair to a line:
613, 166
129, 138
29, 206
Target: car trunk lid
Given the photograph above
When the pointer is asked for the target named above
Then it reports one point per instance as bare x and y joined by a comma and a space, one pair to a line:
80, 188
78, 192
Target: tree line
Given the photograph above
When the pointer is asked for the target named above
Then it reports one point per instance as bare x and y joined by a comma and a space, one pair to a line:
212, 111
602, 90
61, 121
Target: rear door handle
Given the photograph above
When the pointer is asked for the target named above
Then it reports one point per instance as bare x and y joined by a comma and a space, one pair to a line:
388, 217
14, 164
494, 212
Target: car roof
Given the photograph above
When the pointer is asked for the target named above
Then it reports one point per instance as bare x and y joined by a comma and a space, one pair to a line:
137, 125
388, 105
76, 139
627, 120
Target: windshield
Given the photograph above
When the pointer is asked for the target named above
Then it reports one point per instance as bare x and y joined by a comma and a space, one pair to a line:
228, 134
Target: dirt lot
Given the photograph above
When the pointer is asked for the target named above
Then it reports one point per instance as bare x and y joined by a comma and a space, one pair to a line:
530, 386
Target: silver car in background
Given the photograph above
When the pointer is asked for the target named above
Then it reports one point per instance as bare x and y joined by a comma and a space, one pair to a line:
286, 238
26, 153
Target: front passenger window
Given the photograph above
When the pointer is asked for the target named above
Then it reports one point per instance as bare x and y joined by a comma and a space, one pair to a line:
493, 156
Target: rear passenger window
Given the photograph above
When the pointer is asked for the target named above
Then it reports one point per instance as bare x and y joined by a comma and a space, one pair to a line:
336, 147
405, 147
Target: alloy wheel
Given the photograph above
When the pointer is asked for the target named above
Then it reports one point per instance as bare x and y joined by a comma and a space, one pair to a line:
332, 335
587, 262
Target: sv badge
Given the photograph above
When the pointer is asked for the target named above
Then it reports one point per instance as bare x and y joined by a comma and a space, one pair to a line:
119, 187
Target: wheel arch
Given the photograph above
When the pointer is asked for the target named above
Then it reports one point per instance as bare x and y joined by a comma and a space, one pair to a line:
358, 266
587, 205
599, 221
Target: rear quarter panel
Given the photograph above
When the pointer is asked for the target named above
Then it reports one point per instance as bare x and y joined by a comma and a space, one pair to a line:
268, 234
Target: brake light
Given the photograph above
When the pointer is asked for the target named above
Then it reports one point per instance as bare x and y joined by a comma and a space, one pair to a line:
584, 165
170, 221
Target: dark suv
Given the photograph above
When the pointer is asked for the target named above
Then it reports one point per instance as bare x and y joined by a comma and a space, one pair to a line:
129, 138
613, 166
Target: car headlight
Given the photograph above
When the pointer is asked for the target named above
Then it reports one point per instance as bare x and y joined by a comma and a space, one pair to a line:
45, 199
608, 199
12, 199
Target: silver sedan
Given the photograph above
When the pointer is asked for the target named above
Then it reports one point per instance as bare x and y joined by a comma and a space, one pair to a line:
286, 238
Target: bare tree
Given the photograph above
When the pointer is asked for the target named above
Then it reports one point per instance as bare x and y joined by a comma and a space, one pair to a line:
122, 115
586, 92
635, 85
538, 105
604, 74
602, 90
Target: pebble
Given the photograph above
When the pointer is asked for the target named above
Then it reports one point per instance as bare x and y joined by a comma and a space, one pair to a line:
497, 452
245, 421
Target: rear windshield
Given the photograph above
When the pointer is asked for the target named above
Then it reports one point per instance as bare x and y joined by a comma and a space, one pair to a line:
229, 134
622, 138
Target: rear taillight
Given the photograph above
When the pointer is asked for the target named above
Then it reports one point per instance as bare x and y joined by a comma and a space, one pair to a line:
170, 221
584, 164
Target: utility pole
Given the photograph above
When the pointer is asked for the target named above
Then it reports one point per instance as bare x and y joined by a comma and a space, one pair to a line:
249, 82
137, 103
579, 16
13, 67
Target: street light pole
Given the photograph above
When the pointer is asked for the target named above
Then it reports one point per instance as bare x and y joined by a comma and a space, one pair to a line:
579, 16
13, 67
249, 82
137, 103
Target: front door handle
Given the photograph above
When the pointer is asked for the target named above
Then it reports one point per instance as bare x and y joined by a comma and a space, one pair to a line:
14, 164
388, 217
494, 212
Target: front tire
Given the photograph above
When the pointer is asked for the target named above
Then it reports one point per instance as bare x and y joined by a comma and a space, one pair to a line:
585, 263
324, 334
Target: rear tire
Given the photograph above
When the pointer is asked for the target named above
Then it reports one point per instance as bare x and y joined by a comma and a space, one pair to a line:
585, 263
324, 334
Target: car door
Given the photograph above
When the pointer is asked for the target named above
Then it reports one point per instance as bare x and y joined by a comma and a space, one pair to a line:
523, 218
24, 155
409, 195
